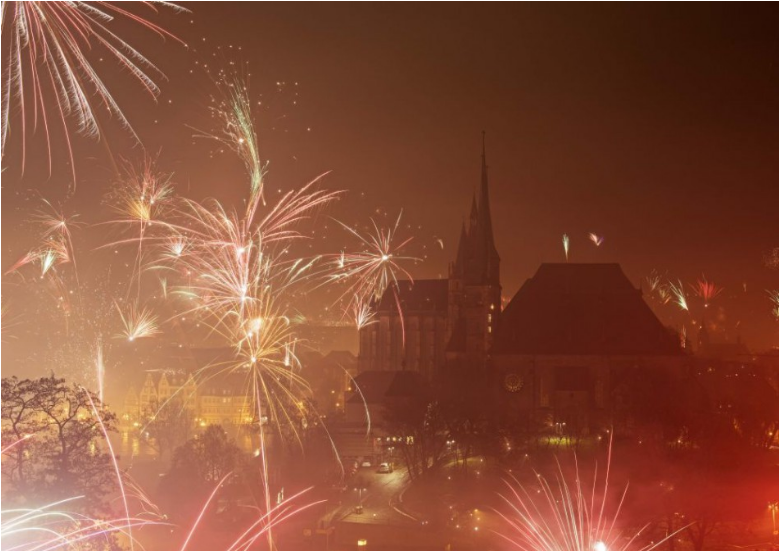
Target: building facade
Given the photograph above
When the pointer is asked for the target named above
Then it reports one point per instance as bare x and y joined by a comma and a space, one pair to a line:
220, 401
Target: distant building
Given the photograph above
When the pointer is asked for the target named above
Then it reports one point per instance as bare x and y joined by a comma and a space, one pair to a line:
709, 348
557, 353
567, 339
373, 393
220, 400
445, 320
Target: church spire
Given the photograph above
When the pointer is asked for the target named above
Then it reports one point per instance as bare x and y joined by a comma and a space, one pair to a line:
474, 217
459, 264
484, 169
485, 218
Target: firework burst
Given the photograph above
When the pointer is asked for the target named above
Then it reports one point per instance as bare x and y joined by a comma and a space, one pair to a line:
566, 245
567, 516
706, 290
138, 323
362, 311
595, 239
48, 72
56, 242
678, 292
371, 271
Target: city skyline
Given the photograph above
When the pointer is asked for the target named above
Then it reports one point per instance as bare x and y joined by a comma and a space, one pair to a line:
390, 276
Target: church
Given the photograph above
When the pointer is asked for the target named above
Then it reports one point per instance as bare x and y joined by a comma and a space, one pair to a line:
447, 321
556, 353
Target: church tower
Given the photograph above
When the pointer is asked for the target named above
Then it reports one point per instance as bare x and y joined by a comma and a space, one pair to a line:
474, 282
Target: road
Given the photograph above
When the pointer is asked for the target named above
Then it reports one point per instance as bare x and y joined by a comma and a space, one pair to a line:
379, 499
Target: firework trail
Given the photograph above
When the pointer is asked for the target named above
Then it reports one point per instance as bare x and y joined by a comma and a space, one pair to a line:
566, 516
706, 290
233, 272
203, 510
120, 483
678, 291
100, 368
269, 520
566, 244
231, 268
12, 445
48, 528
238, 132
49, 75
595, 239
774, 296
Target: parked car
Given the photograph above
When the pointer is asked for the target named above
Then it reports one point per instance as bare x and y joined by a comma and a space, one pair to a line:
366, 464
385, 468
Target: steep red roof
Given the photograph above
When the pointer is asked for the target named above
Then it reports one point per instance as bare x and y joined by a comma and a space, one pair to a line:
587, 309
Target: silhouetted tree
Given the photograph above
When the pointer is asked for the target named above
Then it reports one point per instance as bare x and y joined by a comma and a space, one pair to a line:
417, 420
60, 445
196, 467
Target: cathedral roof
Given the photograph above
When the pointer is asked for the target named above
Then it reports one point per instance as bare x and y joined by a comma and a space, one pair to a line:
582, 309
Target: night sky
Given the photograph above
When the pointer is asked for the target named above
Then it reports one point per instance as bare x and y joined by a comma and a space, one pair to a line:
654, 126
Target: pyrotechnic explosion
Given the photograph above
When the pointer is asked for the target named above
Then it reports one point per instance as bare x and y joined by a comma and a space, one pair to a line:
138, 323
678, 291
233, 272
706, 290
370, 272
363, 314
56, 243
595, 239
48, 71
566, 243
567, 516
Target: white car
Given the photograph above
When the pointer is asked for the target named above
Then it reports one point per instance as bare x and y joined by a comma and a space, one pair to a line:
366, 464
385, 468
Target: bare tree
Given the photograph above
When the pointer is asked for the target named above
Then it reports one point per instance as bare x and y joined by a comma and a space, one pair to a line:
55, 443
